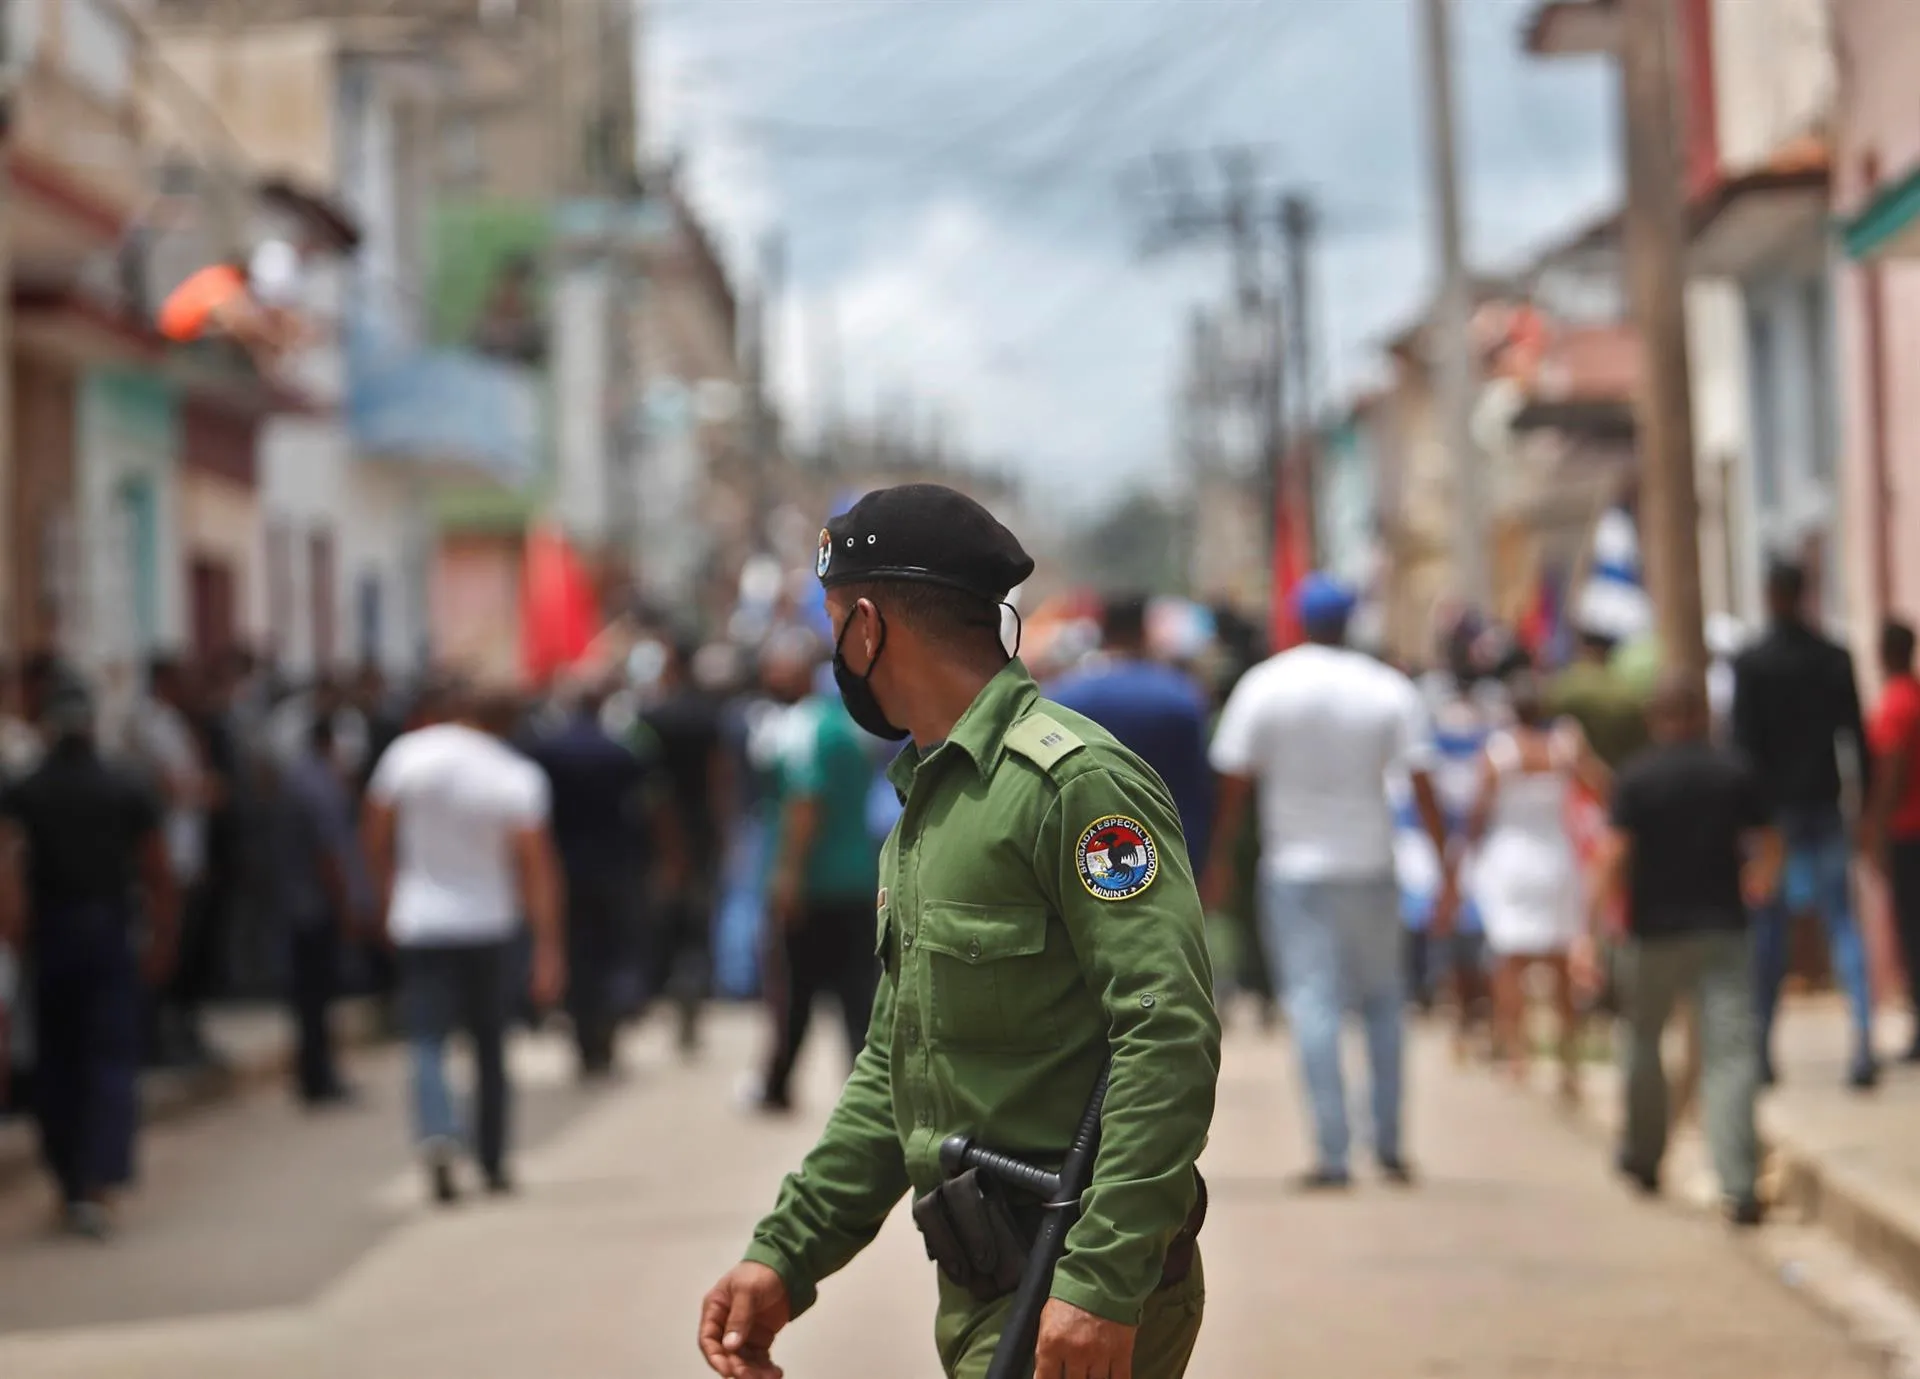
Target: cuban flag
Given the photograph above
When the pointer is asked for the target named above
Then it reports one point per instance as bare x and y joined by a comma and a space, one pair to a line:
1612, 601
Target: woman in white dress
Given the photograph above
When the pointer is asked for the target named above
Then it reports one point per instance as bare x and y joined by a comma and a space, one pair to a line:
1526, 879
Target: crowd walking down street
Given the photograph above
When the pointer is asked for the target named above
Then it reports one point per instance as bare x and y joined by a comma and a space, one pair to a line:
1029, 924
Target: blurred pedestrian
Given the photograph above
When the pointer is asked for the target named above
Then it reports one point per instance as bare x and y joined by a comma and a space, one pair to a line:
685, 723
1893, 813
457, 837
824, 867
1795, 703
1692, 848
165, 745
1527, 878
614, 831
87, 866
1611, 714
1318, 729
322, 898
1153, 709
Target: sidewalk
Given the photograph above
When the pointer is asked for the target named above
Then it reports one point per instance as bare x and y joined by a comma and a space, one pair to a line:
255, 1043
1846, 1161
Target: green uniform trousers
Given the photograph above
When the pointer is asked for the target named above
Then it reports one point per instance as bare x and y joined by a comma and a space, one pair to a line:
967, 1331
1716, 970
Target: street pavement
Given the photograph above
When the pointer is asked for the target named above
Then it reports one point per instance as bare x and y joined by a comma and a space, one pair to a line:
267, 1242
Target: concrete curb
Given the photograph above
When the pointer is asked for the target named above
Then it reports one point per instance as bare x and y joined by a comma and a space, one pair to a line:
168, 1094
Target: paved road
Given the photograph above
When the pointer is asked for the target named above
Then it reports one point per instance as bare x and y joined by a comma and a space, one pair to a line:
268, 1244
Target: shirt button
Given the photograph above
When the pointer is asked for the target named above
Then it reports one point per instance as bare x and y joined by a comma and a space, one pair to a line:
1146, 1003
906, 940
925, 1118
973, 948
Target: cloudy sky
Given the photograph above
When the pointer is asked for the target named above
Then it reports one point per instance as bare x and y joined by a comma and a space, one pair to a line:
959, 184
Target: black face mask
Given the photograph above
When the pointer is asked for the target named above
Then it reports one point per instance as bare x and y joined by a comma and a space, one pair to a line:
856, 691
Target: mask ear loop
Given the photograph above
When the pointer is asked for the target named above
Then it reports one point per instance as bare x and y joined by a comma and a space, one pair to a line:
1019, 626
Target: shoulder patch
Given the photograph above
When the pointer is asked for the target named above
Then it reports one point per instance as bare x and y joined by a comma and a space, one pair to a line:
1116, 858
1042, 740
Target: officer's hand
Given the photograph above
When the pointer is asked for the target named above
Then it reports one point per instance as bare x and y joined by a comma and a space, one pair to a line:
739, 1320
1078, 1345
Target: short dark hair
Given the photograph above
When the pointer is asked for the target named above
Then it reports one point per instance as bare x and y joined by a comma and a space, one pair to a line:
1124, 619
939, 611
1786, 583
1896, 645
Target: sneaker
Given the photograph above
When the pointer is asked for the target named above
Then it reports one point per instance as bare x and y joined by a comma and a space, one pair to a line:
1912, 1055
1397, 1172
500, 1183
1745, 1212
1323, 1180
88, 1221
1864, 1076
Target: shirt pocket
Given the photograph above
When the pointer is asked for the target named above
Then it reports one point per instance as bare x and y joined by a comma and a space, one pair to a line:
989, 978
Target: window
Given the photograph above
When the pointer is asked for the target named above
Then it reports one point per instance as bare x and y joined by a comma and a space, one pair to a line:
98, 47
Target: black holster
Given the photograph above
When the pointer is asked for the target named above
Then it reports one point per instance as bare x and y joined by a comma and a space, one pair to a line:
972, 1233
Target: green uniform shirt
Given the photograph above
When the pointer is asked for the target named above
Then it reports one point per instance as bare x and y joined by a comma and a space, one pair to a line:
825, 762
1036, 912
1605, 706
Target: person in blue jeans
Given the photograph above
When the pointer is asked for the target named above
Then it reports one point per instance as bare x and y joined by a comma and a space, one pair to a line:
1794, 701
1320, 729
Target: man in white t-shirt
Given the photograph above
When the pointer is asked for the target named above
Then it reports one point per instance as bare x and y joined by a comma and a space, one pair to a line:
1318, 730
458, 841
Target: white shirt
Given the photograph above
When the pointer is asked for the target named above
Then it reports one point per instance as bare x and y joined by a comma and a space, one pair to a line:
1321, 728
163, 742
458, 797
273, 274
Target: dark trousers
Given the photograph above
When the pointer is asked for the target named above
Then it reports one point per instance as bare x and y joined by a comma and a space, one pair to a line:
829, 950
1903, 866
313, 982
597, 905
87, 1006
459, 987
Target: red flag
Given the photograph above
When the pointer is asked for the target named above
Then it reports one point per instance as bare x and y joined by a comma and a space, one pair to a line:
1289, 568
559, 610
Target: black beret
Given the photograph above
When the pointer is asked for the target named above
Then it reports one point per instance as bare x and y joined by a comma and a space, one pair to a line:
923, 532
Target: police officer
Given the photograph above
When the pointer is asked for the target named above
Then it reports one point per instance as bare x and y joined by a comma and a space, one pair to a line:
1036, 916
82, 839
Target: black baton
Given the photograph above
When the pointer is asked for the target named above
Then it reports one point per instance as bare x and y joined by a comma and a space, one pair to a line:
1060, 1194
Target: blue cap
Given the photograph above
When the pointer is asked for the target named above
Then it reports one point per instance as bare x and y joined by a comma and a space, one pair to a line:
1320, 599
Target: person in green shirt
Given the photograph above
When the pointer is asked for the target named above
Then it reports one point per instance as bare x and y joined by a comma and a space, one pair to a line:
1037, 920
1609, 710
820, 894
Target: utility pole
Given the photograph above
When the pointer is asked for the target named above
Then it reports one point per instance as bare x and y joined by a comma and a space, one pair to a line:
1253, 327
1656, 268
1450, 350
1298, 227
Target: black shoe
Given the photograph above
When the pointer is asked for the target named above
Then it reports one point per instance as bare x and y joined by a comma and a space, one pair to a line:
500, 1183
1745, 1212
1646, 1182
1397, 1172
1864, 1075
1912, 1055
1323, 1180
446, 1191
